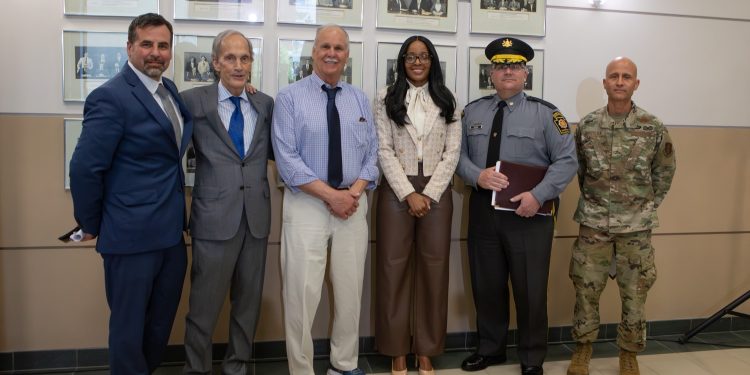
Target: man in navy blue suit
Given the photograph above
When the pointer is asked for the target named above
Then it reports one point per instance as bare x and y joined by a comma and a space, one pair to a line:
127, 182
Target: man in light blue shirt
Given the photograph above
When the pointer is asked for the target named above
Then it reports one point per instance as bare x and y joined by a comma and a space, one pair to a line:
325, 145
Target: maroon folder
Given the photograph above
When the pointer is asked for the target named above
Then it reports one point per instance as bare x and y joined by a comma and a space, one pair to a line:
521, 178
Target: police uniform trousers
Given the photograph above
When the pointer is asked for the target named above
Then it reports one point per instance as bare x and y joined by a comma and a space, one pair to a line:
411, 279
237, 266
143, 292
636, 273
307, 230
502, 244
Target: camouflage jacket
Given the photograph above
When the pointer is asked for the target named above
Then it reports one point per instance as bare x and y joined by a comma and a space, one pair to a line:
625, 169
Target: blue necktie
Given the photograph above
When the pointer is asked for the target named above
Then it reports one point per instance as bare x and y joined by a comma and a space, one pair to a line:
237, 127
335, 174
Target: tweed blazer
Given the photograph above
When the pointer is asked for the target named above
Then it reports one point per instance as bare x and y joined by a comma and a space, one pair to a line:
397, 150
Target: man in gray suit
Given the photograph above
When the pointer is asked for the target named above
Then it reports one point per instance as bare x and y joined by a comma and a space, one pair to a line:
231, 211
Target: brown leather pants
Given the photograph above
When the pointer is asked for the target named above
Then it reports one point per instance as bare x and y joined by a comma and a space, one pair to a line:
411, 273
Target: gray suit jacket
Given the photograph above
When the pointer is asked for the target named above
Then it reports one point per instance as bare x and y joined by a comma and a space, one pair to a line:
224, 184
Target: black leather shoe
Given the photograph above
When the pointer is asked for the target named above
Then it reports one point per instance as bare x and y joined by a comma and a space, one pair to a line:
476, 362
531, 370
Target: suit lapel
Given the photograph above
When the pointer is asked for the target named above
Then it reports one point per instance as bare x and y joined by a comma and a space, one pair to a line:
187, 120
148, 101
211, 104
260, 119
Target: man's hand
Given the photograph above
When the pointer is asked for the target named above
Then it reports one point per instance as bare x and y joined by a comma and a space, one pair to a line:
529, 205
492, 180
419, 205
343, 203
87, 237
250, 89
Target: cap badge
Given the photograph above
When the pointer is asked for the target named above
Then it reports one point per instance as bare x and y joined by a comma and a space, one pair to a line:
507, 43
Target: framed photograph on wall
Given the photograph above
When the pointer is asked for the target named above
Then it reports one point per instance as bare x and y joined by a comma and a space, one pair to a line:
517, 17
295, 62
114, 8
388, 56
479, 74
346, 13
427, 15
72, 130
219, 10
192, 61
89, 60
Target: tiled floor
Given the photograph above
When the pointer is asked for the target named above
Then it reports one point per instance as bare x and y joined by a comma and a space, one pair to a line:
724, 353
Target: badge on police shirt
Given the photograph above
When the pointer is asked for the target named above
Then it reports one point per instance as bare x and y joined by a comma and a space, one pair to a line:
560, 122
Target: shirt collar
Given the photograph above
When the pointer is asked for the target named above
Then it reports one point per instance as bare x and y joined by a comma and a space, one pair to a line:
317, 81
513, 101
224, 94
147, 81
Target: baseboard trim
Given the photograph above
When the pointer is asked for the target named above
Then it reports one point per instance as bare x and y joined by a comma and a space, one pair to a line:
97, 359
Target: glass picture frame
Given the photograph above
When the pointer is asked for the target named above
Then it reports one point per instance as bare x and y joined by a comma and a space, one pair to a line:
220, 10
72, 128
345, 13
90, 59
110, 8
515, 17
479, 74
192, 61
388, 55
424, 15
295, 62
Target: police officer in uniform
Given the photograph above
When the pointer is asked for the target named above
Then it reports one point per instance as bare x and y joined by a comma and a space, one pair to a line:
511, 126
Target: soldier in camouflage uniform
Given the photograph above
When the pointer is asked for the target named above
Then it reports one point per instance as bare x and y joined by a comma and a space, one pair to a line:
626, 164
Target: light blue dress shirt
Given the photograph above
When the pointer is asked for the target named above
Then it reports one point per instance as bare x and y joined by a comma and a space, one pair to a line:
300, 134
248, 113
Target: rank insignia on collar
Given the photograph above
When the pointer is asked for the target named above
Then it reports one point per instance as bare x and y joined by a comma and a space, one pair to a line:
560, 122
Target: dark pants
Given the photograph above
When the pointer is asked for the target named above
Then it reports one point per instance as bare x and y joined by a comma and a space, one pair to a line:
235, 266
143, 292
502, 245
411, 274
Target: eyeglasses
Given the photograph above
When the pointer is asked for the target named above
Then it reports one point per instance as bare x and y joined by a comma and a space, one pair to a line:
423, 57
514, 67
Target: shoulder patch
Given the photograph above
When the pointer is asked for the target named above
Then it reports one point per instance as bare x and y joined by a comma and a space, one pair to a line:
668, 149
561, 123
546, 103
478, 99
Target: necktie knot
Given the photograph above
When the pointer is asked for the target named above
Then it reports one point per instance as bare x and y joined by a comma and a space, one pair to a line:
235, 100
502, 104
331, 91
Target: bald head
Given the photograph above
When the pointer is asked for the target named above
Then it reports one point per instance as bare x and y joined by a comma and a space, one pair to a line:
620, 82
622, 61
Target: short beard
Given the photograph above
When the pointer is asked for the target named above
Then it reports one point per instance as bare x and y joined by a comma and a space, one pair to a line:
154, 72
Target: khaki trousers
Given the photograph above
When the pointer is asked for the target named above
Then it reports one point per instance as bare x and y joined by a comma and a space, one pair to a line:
307, 230
411, 281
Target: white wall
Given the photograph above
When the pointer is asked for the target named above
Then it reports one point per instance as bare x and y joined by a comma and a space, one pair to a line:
691, 53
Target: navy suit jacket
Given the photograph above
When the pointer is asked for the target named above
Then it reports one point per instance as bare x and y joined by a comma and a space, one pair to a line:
126, 174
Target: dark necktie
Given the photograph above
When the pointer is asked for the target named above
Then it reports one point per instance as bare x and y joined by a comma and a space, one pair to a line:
493, 150
335, 173
171, 113
237, 127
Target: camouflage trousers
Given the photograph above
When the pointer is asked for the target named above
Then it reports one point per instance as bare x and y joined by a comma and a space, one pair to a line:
636, 273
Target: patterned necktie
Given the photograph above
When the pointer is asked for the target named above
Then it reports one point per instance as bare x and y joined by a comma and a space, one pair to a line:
237, 127
335, 169
493, 150
171, 113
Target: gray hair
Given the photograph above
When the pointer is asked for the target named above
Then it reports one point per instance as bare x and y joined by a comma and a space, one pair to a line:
216, 47
330, 26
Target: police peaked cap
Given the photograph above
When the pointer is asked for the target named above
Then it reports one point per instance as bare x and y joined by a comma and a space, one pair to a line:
508, 51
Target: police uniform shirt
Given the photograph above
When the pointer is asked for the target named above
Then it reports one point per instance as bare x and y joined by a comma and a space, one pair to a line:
534, 132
